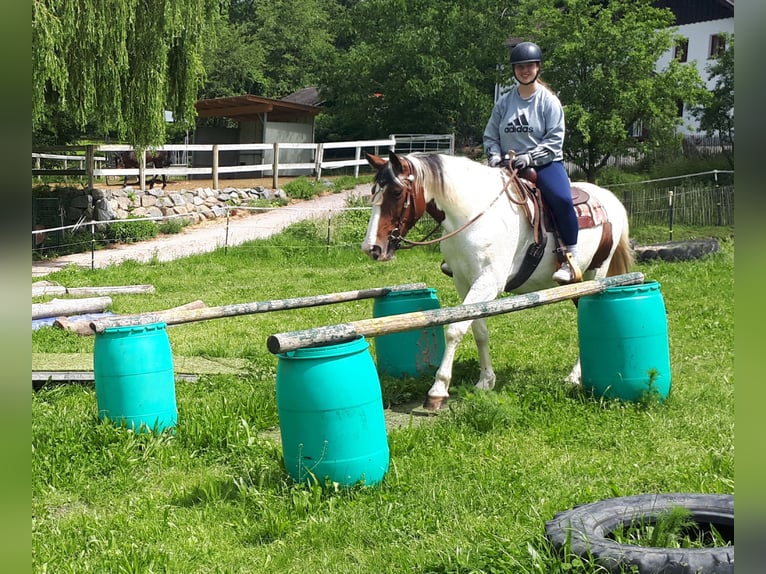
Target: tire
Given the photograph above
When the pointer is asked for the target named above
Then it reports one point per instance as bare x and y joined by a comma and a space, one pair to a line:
584, 531
677, 250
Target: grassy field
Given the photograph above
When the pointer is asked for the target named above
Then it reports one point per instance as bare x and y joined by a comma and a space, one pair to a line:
468, 492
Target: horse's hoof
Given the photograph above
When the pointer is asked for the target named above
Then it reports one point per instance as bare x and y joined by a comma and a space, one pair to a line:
435, 404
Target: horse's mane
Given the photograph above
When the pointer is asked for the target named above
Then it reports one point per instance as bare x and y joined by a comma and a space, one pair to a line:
455, 183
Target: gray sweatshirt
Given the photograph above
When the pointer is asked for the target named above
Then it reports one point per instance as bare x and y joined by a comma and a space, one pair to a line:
534, 126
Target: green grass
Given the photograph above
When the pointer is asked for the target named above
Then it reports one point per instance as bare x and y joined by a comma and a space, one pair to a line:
468, 492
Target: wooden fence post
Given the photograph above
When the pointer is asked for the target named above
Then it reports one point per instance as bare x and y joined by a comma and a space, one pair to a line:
215, 166
275, 167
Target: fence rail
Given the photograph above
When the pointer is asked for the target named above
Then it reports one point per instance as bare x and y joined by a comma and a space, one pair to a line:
261, 158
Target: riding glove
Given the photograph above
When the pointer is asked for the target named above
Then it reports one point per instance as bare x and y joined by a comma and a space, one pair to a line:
521, 161
494, 160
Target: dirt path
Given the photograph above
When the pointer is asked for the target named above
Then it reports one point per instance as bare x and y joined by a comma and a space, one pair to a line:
207, 236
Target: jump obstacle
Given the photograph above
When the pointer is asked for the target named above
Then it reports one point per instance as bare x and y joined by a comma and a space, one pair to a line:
293, 340
174, 317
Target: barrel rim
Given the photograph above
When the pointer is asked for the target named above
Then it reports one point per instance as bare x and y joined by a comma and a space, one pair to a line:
130, 329
353, 346
409, 292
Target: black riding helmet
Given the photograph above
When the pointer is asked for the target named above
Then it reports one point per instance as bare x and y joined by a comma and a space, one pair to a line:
525, 53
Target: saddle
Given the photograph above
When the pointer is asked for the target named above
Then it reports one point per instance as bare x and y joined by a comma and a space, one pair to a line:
590, 213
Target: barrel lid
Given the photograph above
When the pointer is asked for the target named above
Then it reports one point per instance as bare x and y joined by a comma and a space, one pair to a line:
327, 350
135, 329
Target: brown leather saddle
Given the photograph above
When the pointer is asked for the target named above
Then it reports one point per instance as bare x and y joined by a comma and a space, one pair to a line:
590, 213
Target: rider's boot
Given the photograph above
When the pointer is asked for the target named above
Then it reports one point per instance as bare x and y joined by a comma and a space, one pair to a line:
568, 271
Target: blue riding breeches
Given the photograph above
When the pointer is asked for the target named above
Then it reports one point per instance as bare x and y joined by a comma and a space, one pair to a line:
553, 182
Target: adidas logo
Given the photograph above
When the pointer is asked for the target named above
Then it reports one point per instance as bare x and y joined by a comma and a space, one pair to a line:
519, 125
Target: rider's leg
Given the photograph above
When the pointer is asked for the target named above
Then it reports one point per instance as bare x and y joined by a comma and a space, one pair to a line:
553, 181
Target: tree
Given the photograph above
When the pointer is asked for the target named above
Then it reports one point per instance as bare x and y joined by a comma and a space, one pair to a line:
423, 66
600, 57
716, 114
119, 64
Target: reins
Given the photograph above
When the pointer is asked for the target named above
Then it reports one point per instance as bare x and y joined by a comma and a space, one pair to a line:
473, 220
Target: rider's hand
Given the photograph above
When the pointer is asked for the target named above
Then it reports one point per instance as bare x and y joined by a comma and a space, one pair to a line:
494, 160
521, 161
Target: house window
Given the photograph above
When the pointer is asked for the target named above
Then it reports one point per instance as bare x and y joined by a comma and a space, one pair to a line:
717, 45
681, 50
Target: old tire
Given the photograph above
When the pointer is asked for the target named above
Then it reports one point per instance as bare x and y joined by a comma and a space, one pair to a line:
584, 531
678, 250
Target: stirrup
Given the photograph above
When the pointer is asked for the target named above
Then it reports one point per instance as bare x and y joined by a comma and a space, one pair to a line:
568, 271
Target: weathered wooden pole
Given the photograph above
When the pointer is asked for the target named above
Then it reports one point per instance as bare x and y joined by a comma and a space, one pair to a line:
284, 342
66, 307
170, 317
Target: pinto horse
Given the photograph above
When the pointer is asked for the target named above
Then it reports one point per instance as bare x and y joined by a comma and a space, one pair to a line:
157, 159
486, 233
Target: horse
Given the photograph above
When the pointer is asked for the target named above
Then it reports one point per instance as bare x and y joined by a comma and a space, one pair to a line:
157, 159
486, 234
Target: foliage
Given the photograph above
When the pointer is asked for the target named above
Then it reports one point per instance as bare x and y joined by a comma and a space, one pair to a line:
415, 67
172, 226
600, 58
128, 231
302, 188
150, 54
716, 114
468, 491
270, 48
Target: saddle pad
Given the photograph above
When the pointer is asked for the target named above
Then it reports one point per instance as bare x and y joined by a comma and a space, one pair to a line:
590, 213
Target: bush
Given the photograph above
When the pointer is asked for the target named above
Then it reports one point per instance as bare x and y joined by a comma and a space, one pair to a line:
129, 231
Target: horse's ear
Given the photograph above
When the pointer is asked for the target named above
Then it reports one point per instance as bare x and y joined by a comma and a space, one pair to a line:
396, 163
375, 161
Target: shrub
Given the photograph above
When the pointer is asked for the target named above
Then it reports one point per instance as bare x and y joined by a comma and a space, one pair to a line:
128, 231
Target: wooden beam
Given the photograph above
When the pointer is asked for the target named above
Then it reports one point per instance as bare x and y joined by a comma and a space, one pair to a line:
65, 307
188, 316
234, 111
285, 342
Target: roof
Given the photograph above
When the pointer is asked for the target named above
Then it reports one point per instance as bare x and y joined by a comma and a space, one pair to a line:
307, 96
250, 108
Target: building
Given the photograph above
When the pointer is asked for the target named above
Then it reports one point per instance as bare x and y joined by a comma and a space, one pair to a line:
700, 25
259, 120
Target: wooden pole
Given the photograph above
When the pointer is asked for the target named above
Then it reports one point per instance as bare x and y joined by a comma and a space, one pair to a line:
285, 342
83, 326
188, 316
59, 307
47, 289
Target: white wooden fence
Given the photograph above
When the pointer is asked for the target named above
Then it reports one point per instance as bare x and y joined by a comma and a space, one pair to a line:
92, 163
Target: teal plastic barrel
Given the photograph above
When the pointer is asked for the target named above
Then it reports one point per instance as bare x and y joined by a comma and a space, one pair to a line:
409, 353
623, 334
135, 386
331, 418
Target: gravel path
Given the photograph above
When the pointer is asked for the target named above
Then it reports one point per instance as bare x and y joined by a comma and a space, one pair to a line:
205, 237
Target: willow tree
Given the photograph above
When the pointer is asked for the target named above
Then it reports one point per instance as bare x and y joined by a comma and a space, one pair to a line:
120, 64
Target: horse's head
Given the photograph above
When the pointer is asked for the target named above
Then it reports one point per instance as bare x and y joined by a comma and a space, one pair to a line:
397, 204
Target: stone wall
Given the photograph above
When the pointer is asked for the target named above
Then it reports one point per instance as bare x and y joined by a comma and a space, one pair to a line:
194, 205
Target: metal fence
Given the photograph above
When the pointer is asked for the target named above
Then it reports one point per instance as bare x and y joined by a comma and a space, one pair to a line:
683, 205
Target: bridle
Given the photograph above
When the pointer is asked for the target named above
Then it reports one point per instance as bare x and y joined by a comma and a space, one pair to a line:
407, 185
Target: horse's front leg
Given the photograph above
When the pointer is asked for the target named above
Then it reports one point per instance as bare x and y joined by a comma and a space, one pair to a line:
439, 391
481, 290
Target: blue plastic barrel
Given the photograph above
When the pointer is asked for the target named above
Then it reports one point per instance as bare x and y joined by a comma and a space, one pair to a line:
623, 334
409, 353
135, 385
331, 417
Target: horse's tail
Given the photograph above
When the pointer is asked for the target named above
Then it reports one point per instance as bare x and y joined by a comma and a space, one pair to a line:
622, 258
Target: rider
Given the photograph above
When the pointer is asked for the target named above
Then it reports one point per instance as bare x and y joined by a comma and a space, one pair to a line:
529, 121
